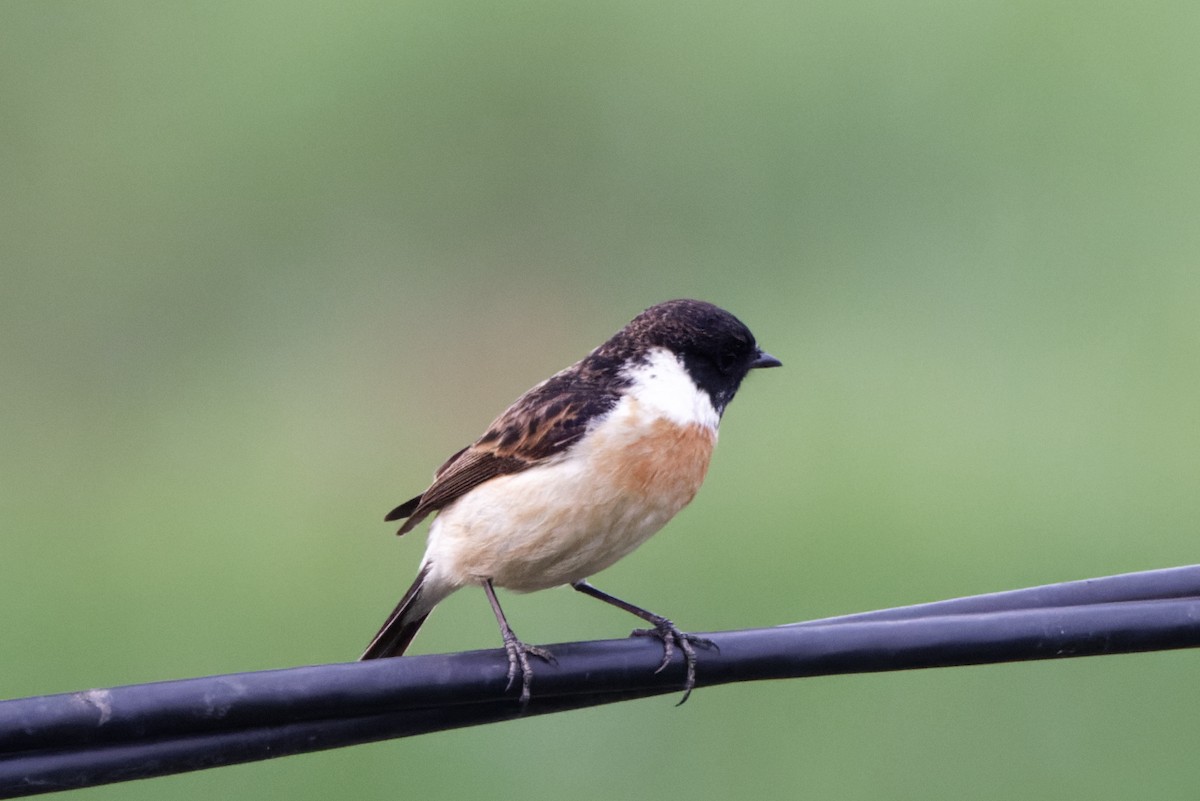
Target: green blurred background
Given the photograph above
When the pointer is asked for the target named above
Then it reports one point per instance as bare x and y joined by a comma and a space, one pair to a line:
266, 264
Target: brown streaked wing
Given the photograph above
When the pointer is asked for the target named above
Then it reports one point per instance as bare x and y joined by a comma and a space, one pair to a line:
461, 473
543, 423
468, 471
551, 417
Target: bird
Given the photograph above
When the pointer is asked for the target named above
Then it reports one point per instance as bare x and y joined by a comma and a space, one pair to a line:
577, 473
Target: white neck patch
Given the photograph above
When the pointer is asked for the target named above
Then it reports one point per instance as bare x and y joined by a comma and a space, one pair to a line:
662, 384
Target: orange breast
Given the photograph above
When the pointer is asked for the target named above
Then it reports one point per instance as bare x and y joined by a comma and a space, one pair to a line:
666, 464
566, 520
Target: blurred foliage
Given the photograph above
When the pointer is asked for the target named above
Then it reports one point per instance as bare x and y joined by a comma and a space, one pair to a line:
266, 264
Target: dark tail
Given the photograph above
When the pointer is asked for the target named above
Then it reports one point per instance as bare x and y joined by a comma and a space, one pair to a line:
401, 625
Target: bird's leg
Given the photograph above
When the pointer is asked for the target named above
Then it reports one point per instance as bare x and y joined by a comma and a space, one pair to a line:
517, 651
664, 629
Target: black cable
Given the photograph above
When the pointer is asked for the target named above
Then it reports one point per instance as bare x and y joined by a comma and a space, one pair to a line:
71, 740
1149, 585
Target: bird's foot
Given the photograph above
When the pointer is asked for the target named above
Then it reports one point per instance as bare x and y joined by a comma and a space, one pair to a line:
671, 636
518, 660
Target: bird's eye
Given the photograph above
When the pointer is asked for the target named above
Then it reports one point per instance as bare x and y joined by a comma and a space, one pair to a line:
725, 361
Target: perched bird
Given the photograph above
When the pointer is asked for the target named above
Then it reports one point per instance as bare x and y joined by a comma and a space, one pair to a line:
578, 472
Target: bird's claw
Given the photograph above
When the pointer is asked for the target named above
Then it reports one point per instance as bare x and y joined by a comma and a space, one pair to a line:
670, 635
518, 659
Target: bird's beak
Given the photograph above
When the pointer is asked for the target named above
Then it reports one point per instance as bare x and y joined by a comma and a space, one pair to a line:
764, 359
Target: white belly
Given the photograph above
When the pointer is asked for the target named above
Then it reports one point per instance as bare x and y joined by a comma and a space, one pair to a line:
568, 519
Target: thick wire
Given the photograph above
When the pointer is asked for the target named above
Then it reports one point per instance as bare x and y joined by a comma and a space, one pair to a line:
71, 740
